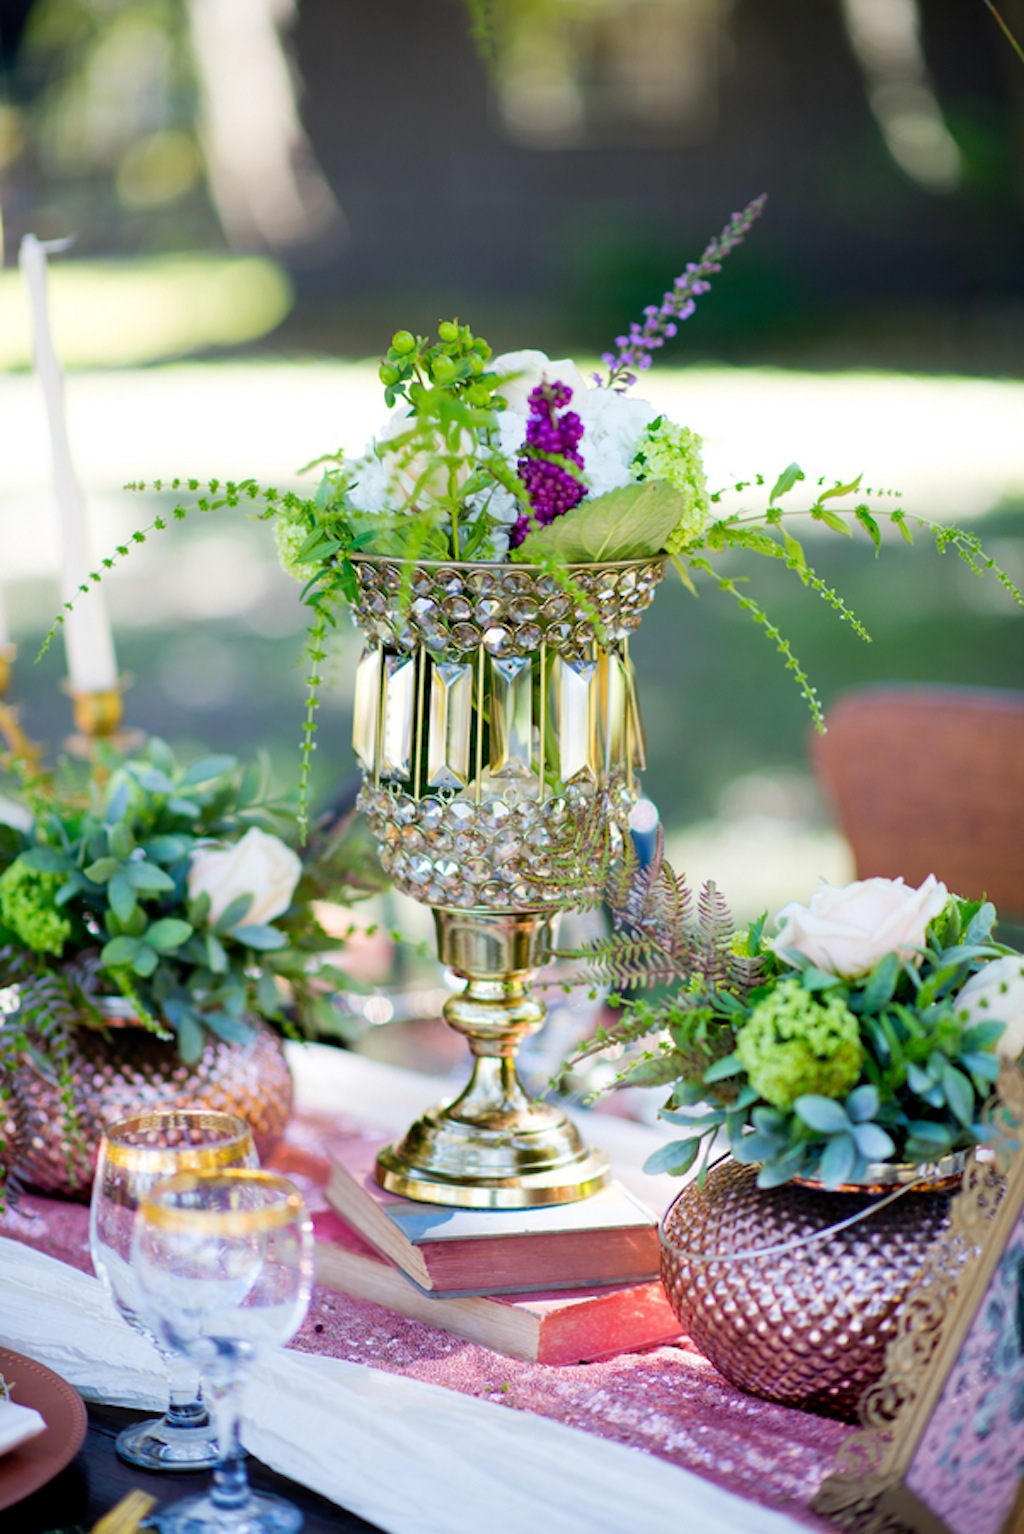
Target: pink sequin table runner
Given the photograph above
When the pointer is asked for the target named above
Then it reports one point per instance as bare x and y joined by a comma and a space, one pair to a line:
666, 1401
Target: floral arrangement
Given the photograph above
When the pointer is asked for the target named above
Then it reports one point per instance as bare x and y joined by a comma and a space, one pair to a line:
869, 1028
167, 887
518, 458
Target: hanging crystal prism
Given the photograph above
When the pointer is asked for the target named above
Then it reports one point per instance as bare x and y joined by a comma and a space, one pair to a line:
511, 717
366, 708
451, 717
399, 701
637, 736
613, 693
574, 690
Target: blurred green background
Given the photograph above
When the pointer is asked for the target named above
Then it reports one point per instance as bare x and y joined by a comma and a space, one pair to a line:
262, 190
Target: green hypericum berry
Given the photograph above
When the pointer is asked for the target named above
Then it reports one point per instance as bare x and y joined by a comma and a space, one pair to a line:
389, 374
479, 394
448, 331
403, 342
442, 370
480, 346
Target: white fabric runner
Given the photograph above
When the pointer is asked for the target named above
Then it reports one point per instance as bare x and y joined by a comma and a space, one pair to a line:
410, 1457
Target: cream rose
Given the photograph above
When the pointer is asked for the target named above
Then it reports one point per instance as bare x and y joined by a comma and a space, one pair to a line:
259, 865
996, 994
846, 931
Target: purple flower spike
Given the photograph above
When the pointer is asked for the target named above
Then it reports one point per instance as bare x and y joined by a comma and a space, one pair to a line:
551, 446
661, 323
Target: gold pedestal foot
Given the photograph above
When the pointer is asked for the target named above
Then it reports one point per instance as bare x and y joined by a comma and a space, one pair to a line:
493, 1147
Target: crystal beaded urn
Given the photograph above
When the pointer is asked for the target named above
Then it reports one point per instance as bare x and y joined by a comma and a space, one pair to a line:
498, 731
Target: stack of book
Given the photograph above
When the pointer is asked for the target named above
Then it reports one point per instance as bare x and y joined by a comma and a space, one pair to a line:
558, 1285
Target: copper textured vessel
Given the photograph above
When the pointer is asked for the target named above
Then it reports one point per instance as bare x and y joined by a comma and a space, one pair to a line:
130, 1070
793, 1292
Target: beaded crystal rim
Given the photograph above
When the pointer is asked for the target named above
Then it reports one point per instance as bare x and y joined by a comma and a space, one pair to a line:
514, 567
508, 610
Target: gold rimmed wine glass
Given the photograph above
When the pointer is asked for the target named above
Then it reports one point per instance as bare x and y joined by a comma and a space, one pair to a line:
223, 1263
134, 1154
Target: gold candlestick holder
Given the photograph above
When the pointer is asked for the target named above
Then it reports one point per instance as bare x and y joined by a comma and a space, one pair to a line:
18, 743
98, 715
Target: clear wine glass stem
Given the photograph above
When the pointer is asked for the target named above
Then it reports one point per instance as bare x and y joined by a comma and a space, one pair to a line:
187, 1408
230, 1489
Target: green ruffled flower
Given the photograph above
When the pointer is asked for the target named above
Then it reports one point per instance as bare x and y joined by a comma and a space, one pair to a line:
673, 453
28, 908
289, 538
793, 1043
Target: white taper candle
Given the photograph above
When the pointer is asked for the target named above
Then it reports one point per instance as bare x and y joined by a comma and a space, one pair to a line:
92, 665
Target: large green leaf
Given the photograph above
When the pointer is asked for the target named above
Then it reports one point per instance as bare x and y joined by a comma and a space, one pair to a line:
148, 878
206, 768
822, 1114
674, 1158
45, 860
121, 896
838, 1161
167, 849
790, 476
167, 934
873, 1142
232, 914
119, 951
630, 523
122, 842
102, 870
262, 937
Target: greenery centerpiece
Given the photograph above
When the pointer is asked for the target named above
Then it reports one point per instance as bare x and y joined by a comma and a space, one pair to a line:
144, 900
867, 1029
825, 1079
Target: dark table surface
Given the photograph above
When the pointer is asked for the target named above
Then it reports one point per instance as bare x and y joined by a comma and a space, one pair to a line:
96, 1479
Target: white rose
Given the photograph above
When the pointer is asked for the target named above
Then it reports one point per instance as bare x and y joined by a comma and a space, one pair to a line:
996, 994
259, 865
846, 931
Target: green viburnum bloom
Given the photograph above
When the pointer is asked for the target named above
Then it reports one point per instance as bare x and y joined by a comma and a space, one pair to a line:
673, 453
27, 907
289, 537
793, 1043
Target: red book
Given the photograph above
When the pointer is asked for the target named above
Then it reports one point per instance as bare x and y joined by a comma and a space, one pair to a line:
569, 1327
609, 1238
551, 1326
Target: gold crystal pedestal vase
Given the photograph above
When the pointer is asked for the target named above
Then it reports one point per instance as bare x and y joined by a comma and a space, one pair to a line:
497, 727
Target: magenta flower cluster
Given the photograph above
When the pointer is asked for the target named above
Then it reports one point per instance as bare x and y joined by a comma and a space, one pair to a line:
549, 460
661, 321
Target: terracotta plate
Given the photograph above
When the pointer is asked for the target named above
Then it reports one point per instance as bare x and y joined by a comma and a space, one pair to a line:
30, 1466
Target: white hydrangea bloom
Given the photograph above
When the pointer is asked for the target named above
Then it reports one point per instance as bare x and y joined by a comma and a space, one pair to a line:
612, 422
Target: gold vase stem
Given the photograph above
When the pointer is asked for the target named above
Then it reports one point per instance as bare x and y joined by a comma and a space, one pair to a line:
493, 1147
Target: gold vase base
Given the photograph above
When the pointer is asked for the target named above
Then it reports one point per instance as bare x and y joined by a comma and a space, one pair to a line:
443, 1161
